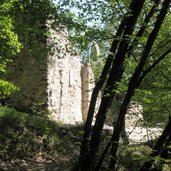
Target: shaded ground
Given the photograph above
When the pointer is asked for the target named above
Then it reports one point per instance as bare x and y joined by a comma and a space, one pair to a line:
34, 143
32, 164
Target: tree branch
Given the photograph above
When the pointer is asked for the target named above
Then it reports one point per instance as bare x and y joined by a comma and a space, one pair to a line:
153, 65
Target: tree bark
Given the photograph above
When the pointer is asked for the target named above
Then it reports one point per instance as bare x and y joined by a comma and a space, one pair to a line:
96, 90
115, 76
135, 41
135, 82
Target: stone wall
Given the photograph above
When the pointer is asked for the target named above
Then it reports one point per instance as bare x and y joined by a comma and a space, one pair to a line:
87, 85
64, 80
48, 72
28, 71
48, 75
29, 75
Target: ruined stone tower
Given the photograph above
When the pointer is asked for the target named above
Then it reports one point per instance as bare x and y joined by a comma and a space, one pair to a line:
47, 71
64, 79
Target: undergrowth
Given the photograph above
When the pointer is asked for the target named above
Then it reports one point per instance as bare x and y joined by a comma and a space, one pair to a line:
25, 135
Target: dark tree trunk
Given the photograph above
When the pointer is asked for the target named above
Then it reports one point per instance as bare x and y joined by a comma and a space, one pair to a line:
96, 90
139, 34
134, 82
116, 58
115, 75
163, 156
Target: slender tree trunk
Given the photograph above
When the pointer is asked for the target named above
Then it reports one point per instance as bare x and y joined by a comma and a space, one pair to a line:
144, 26
114, 77
139, 34
135, 82
119, 126
97, 89
164, 155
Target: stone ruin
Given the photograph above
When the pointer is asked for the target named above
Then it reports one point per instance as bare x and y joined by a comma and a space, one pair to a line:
51, 78
49, 75
136, 127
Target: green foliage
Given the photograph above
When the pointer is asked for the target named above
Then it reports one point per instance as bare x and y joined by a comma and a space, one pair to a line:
154, 92
12, 116
9, 44
131, 158
6, 88
86, 21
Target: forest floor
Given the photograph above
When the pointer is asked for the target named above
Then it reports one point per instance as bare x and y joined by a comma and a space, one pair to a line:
32, 142
35, 143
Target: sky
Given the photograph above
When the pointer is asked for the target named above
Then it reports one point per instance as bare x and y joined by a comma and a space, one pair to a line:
76, 11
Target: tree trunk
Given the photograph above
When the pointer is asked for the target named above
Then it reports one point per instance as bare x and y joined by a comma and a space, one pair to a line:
135, 82
114, 78
96, 90
134, 42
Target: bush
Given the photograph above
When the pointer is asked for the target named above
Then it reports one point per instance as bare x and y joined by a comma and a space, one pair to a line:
132, 157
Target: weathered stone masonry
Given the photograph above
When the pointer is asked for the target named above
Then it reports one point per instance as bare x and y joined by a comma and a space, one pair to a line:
29, 69
48, 74
64, 79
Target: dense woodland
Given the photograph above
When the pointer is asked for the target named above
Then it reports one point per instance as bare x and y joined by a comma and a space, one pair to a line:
131, 64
